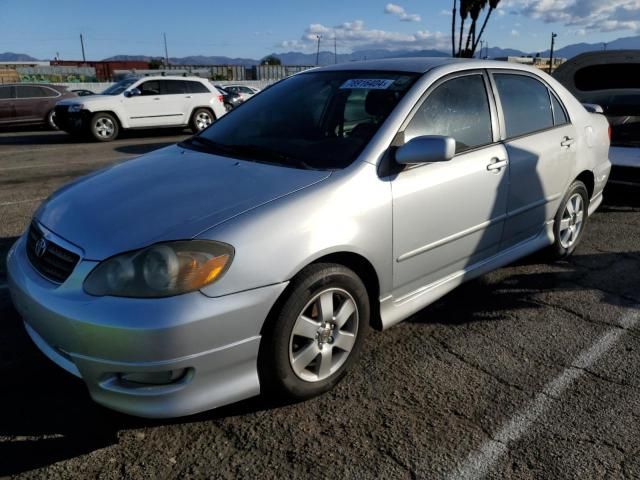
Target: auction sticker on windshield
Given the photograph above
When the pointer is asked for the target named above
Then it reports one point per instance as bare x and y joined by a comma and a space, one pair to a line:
368, 83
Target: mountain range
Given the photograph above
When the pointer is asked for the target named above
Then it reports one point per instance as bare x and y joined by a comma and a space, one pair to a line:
327, 57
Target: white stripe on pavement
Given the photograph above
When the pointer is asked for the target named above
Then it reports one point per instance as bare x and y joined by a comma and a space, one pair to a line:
5, 204
479, 463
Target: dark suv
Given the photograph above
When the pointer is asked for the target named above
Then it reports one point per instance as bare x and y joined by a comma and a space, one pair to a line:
30, 104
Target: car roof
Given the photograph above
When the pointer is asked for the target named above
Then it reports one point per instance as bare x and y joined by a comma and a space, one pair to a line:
171, 77
423, 65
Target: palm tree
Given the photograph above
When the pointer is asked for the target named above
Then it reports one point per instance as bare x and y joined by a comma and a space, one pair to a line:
474, 11
453, 29
493, 4
465, 6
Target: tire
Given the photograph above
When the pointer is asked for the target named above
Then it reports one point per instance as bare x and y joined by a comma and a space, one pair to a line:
228, 107
104, 127
571, 220
51, 120
288, 368
201, 118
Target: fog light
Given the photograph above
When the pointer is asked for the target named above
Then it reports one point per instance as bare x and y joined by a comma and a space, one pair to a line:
153, 378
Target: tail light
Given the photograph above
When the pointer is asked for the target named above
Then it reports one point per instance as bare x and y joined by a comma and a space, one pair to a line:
221, 98
610, 133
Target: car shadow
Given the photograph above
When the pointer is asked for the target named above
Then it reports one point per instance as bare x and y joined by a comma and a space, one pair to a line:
620, 196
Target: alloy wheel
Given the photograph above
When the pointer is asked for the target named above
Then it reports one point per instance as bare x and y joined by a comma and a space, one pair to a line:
104, 127
323, 335
571, 222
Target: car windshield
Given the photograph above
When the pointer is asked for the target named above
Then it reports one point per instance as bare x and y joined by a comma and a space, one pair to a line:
121, 86
317, 120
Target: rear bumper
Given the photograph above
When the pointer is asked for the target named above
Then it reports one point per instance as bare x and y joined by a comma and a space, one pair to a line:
212, 342
71, 122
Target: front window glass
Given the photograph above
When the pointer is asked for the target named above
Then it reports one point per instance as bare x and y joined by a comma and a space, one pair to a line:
152, 87
121, 86
319, 120
459, 109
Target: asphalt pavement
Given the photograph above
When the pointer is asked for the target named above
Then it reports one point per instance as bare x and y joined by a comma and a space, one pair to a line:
529, 372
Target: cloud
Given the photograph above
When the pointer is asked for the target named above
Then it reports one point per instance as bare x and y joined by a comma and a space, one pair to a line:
400, 12
515, 33
355, 35
586, 15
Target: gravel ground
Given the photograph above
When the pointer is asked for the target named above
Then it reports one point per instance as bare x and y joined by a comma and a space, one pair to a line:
532, 371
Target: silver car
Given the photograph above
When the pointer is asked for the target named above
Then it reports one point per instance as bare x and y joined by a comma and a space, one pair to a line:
257, 255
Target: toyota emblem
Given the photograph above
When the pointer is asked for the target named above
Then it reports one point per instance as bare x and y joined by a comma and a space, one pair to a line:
41, 247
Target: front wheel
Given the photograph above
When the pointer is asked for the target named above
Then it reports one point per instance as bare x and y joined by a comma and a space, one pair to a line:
570, 220
316, 334
104, 127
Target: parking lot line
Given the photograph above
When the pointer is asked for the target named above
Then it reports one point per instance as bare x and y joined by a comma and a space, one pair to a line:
17, 202
479, 463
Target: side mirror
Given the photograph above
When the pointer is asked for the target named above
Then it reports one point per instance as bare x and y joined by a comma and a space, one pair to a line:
426, 149
134, 92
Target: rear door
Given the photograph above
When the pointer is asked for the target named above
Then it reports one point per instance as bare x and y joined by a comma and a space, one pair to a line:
7, 103
541, 145
34, 102
177, 100
448, 216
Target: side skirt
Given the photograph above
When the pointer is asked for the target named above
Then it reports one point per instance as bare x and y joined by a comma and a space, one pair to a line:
394, 310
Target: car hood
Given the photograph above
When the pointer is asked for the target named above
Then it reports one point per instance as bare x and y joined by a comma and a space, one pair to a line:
170, 194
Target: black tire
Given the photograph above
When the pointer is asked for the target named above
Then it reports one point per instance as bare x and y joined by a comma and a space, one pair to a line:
197, 122
561, 249
228, 107
51, 120
104, 127
277, 375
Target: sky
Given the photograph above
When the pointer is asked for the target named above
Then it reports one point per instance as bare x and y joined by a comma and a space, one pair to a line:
255, 28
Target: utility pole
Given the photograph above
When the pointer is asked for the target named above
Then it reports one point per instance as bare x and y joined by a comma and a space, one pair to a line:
335, 48
604, 46
487, 49
553, 43
481, 48
318, 52
82, 46
166, 53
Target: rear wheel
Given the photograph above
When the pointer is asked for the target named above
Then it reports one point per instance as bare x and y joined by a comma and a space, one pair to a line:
316, 334
51, 120
104, 127
201, 119
570, 220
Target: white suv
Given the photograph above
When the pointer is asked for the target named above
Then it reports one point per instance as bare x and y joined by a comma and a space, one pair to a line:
148, 102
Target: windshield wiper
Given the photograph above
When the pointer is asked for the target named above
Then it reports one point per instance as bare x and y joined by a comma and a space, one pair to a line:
255, 153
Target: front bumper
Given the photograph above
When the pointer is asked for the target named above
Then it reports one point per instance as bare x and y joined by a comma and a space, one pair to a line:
71, 121
214, 341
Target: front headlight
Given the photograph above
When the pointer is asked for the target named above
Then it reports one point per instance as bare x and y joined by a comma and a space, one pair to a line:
75, 107
161, 270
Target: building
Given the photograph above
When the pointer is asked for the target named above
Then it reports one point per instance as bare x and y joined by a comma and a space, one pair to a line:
104, 69
539, 62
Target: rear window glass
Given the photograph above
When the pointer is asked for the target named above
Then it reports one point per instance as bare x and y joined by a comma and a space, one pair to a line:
6, 92
559, 115
525, 103
32, 91
608, 77
196, 87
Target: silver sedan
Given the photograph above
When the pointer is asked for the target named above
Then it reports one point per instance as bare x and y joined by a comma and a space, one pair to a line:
257, 255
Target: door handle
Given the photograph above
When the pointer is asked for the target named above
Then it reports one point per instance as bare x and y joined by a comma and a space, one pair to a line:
188, 96
567, 142
496, 165
156, 98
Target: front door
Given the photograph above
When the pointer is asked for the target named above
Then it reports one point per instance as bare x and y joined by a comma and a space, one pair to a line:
449, 215
149, 108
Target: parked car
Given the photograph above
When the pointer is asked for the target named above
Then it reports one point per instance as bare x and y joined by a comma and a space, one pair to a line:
610, 80
244, 91
23, 104
256, 255
148, 102
83, 92
231, 100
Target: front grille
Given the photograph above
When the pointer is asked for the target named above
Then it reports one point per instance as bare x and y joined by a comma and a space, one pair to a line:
53, 262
